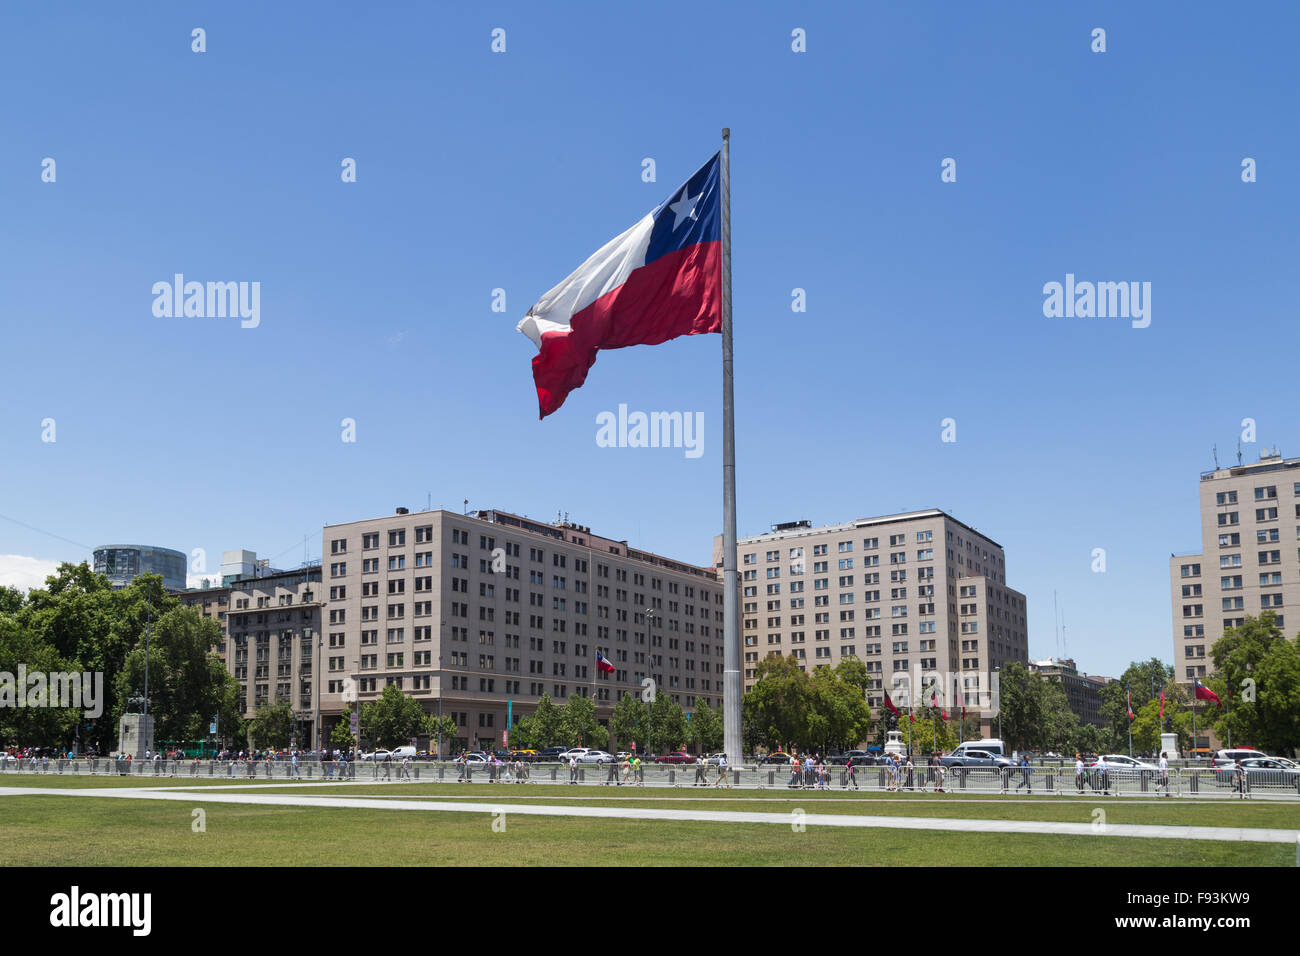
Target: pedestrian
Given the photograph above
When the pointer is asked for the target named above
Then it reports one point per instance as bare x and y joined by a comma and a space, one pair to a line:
406, 768
701, 774
1103, 774
1025, 774
722, 772
794, 772
1080, 773
573, 768
1164, 773
626, 767
851, 774
909, 772
1241, 783
940, 773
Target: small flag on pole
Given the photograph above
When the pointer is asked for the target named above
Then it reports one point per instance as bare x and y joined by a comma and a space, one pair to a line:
1129, 695
1162, 703
1204, 693
603, 664
889, 705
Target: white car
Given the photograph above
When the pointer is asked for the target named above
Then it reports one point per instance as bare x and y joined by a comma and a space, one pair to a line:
596, 756
377, 755
574, 752
1124, 765
712, 760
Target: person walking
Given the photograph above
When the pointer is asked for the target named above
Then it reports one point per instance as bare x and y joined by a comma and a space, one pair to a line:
1103, 774
1163, 783
722, 772
573, 768
1241, 782
1080, 773
794, 772
851, 774
627, 770
701, 774
1025, 772
909, 772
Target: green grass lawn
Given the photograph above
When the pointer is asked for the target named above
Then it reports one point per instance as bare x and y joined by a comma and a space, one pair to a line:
69, 831
66, 830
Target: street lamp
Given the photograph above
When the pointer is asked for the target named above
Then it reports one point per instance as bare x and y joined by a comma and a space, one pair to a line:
649, 662
998, 670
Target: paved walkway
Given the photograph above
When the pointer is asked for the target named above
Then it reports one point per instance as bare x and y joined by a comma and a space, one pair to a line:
1230, 834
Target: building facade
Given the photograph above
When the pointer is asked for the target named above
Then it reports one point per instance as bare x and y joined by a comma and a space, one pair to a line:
270, 639
1249, 561
123, 562
477, 616
1081, 690
919, 598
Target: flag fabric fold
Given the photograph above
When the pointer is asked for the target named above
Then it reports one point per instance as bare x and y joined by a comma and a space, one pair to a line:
659, 280
889, 705
1204, 693
603, 664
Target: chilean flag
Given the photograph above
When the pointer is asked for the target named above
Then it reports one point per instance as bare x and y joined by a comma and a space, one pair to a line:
1131, 715
603, 664
1204, 693
658, 280
890, 705
934, 702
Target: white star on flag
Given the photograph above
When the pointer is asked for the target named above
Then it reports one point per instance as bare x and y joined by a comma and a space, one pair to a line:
684, 208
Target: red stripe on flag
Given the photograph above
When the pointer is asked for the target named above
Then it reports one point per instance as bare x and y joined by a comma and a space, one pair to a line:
677, 294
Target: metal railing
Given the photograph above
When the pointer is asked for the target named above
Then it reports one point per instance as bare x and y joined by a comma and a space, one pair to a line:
1015, 781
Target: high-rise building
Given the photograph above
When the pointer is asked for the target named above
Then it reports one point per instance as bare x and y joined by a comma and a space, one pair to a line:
123, 562
479, 615
1249, 561
919, 598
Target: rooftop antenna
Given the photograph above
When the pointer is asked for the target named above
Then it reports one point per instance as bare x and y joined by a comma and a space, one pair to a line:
1065, 646
466, 506
1057, 614
1239, 452
1216, 458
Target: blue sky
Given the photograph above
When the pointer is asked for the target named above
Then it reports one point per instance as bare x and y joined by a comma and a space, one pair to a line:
479, 170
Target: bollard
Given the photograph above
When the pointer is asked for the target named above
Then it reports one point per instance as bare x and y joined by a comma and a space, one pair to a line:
1145, 779
672, 777
554, 771
1195, 785
441, 771
735, 778
880, 780
1051, 781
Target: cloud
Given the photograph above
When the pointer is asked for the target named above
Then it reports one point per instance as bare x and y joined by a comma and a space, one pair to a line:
24, 573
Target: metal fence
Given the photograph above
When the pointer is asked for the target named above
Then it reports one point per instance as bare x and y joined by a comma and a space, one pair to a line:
1016, 781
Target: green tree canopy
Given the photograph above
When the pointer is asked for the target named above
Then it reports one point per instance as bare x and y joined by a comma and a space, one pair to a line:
393, 719
271, 726
630, 722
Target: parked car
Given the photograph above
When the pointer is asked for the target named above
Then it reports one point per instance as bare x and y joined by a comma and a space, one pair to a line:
1262, 773
596, 756
527, 756
712, 760
860, 758
474, 758
975, 758
779, 756
401, 753
1229, 757
573, 752
376, 755
1122, 765
676, 757
551, 753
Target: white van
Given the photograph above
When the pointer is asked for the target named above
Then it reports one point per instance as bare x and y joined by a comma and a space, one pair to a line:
401, 753
995, 747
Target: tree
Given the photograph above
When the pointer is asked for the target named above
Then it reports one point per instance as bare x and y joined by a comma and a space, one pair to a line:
546, 720
630, 721
271, 726
188, 683
667, 724
341, 736
1261, 685
839, 717
1021, 706
705, 729
393, 719
31, 726
444, 724
579, 726
777, 706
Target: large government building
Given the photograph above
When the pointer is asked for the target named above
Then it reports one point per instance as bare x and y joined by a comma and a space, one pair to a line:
919, 597
1248, 563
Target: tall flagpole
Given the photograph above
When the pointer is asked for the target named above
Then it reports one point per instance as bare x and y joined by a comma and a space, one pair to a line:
730, 585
